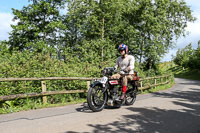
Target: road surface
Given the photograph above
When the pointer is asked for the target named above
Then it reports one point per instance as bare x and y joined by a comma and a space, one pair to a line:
176, 110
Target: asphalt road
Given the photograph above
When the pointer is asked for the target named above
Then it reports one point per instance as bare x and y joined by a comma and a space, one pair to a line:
176, 110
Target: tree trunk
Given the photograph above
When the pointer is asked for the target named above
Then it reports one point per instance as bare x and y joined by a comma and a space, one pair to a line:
102, 37
141, 54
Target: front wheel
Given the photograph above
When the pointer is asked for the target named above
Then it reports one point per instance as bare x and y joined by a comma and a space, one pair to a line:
131, 96
97, 98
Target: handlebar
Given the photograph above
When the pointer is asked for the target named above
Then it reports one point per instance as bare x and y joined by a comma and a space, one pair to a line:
109, 71
121, 73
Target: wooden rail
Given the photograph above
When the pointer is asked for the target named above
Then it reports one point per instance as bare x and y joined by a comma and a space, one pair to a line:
49, 78
45, 93
163, 80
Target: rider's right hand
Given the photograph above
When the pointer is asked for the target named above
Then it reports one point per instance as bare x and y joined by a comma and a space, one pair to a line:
115, 69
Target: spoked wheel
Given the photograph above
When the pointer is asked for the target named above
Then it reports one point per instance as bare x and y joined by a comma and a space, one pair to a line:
130, 96
96, 98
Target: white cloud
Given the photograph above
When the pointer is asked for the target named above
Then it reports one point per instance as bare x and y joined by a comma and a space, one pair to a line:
192, 28
194, 32
5, 22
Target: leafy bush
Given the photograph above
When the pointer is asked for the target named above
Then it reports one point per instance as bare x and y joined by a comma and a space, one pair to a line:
188, 57
26, 64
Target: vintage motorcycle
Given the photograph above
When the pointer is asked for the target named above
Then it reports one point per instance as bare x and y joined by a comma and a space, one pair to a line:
107, 91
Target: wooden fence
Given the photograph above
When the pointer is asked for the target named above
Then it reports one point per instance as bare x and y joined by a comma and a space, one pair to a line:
153, 82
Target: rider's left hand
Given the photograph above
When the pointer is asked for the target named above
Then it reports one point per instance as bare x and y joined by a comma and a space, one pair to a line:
121, 72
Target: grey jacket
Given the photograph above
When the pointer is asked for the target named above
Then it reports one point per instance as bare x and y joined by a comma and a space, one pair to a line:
126, 63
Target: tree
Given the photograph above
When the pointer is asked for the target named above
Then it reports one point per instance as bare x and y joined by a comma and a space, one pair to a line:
194, 60
148, 27
183, 56
3, 48
38, 26
91, 21
157, 23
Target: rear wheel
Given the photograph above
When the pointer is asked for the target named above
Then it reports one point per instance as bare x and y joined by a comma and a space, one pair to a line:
97, 98
130, 96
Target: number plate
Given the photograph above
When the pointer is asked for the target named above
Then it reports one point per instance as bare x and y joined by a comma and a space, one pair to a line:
103, 80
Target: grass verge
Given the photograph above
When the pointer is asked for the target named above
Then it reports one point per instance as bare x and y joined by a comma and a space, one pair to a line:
157, 88
188, 74
33, 106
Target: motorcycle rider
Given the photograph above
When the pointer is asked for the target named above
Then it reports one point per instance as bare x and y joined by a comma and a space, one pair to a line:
126, 64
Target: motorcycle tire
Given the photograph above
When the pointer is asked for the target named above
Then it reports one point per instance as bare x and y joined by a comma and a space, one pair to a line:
130, 97
97, 98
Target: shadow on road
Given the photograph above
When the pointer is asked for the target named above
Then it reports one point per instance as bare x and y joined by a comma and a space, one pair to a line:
84, 108
36, 118
153, 119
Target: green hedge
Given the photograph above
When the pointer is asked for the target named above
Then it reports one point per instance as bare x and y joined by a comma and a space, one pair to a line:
27, 65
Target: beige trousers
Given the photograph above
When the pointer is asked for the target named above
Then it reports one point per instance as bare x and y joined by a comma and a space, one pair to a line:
125, 78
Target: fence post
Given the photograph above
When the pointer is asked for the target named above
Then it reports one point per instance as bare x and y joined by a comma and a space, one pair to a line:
44, 89
155, 83
166, 79
141, 86
88, 85
169, 78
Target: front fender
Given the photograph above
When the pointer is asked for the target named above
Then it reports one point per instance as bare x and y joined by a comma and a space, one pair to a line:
96, 83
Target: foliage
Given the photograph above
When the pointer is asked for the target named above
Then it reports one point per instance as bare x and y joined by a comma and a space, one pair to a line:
188, 74
160, 87
147, 26
37, 26
188, 57
183, 55
156, 23
46, 42
26, 64
194, 60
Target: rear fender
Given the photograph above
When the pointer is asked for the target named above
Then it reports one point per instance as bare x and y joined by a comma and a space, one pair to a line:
133, 85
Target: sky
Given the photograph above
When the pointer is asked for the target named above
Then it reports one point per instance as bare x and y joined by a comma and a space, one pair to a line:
193, 37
